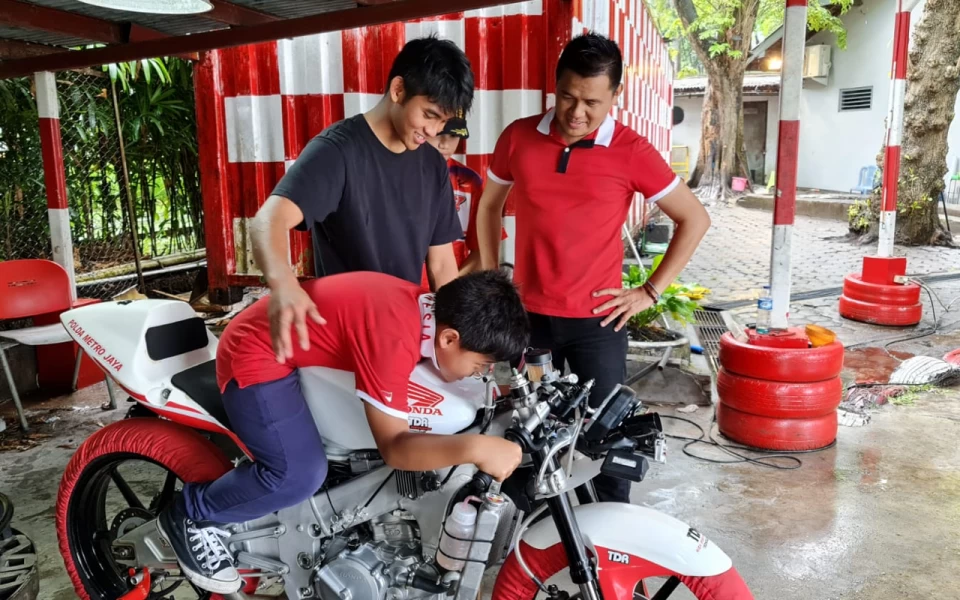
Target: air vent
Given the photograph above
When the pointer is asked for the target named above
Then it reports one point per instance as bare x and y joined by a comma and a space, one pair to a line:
856, 98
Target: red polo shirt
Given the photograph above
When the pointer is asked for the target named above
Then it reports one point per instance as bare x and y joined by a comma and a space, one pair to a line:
378, 328
571, 204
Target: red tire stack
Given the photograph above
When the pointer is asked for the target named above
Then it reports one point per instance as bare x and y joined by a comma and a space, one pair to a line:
779, 398
874, 296
892, 304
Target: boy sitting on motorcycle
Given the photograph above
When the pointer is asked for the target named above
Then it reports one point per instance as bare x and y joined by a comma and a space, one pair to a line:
378, 327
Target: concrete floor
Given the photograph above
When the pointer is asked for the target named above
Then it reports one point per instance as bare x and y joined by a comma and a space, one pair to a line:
877, 517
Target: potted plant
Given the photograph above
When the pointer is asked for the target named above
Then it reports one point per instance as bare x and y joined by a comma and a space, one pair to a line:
679, 300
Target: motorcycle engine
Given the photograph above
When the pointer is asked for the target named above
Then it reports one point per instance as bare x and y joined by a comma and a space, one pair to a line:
377, 565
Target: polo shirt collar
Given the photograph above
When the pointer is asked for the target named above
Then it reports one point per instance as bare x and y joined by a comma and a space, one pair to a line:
428, 329
604, 133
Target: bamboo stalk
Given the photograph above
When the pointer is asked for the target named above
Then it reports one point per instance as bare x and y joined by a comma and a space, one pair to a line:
126, 178
153, 263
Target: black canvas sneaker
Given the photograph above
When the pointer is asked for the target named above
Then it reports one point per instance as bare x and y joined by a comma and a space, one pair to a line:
203, 557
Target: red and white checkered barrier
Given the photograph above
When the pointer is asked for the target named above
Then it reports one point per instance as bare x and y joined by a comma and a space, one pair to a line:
259, 105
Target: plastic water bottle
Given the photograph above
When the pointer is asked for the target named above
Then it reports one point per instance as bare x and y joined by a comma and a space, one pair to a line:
764, 308
460, 524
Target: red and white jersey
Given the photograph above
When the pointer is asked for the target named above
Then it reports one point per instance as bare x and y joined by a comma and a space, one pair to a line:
378, 328
467, 189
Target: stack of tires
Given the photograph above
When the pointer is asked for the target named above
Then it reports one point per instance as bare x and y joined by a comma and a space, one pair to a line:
779, 398
880, 304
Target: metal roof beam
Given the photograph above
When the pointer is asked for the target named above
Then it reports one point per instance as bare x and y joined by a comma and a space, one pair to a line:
12, 49
42, 18
401, 10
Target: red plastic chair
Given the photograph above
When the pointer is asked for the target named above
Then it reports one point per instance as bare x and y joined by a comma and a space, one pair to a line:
29, 288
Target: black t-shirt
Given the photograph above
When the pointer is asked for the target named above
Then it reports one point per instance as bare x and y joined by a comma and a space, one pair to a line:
370, 209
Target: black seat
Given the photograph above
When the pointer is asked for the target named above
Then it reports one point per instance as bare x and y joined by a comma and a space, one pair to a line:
200, 383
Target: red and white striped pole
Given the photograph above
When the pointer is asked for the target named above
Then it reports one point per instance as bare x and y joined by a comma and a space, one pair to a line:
58, 211
785, 204
894, 137
876, 294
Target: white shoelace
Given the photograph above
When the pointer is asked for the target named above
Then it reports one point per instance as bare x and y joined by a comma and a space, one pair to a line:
209, 546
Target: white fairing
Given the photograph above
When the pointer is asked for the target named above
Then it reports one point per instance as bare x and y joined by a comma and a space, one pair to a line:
114, 335
443, 408
642, 532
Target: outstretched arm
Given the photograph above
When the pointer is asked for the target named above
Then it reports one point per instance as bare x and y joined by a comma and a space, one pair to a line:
290, 306
408, 451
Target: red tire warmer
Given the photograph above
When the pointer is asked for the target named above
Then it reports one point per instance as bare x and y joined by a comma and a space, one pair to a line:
192, 457
779, 398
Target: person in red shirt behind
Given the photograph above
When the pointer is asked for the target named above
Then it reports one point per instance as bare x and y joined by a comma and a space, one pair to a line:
467, 189
378, 328
573, 173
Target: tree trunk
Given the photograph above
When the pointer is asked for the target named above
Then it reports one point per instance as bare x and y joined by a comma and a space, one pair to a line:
933, 81
722, 155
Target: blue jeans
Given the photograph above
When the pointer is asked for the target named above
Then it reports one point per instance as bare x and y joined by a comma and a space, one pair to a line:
272, 419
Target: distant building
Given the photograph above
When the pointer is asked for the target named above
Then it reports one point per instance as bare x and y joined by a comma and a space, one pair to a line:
843, 108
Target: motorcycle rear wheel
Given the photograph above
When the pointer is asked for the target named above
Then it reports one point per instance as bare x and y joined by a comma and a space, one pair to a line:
93, 486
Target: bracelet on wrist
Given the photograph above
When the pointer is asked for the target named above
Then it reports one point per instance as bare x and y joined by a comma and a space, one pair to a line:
651, 291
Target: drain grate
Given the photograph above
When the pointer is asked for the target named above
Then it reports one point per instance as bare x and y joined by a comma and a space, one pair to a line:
710, 325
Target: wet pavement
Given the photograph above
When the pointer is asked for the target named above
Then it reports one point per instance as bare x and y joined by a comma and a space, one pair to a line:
877, 517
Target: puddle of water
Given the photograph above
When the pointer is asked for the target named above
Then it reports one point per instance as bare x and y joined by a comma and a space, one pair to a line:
873, 365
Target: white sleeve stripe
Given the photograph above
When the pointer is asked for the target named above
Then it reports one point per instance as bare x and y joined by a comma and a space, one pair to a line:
673, 185
497, 179
381, 406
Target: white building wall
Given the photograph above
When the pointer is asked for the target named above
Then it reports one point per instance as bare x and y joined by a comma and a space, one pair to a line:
834, 145
688, 132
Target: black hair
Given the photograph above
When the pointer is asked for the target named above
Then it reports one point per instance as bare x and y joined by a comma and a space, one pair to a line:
485, 309
437, 69
592, 55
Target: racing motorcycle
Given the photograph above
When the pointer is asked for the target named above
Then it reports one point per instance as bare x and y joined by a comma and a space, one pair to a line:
371, 532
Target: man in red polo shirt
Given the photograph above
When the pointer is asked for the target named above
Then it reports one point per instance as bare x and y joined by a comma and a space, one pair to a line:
574, 172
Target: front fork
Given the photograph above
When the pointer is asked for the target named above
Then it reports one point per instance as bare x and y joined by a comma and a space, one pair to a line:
581, 569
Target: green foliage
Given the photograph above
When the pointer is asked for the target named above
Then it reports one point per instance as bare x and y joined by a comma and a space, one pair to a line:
860, 216
679, 299
24, 226
155, 100
716, 17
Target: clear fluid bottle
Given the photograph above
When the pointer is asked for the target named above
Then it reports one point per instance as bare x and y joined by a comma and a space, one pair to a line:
461, 524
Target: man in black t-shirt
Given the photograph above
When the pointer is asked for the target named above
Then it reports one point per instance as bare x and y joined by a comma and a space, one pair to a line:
373, 193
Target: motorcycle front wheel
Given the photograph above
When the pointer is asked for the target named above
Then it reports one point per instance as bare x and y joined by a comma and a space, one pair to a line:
514, 584
120, 478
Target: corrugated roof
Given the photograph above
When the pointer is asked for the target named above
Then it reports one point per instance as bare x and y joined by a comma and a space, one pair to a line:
752, 83
291, 9
41, 37
173, 25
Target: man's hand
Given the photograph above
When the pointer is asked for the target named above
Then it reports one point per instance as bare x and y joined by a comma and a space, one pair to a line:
625, 304
290, 307
497, 457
